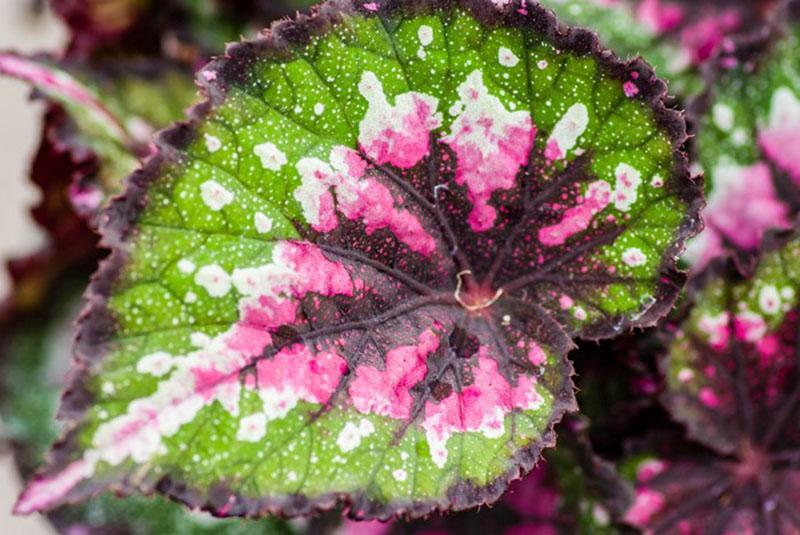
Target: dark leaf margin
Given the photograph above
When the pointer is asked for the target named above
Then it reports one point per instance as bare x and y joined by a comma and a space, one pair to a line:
602, 477
96, 325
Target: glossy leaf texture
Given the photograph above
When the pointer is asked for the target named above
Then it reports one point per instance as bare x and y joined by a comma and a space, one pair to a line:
748, 133
112, 112
355, 274
733, 379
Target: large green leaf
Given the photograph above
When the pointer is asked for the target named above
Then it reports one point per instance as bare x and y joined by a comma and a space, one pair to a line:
355, 274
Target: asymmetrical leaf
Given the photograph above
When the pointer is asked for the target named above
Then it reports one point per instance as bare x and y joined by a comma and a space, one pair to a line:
733, 373
354, 276
747, 143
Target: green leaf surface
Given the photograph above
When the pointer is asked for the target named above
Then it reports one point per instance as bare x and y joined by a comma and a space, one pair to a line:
34, 355
354, 276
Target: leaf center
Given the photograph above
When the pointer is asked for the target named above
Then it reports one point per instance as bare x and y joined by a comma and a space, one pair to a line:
475, 297
754, 464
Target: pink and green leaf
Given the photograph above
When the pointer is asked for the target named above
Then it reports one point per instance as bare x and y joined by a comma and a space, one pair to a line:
747, 138
733, 372
735, 332
34, 355
354, 275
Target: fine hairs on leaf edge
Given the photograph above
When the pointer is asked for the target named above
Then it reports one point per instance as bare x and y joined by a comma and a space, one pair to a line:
96, 325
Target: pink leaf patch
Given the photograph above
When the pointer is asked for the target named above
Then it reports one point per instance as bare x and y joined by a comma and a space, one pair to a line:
491, 145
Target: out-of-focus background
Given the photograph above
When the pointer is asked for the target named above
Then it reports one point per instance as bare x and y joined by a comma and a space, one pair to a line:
20, 126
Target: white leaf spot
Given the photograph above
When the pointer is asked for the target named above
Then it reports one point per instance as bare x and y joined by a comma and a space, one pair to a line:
507, 57
214, 279
215, 195
365, 428
657, 181
626, 189
156, 364
186, 266
568, 129
213, 144
634, 257
262, 222
769, 300
685, 375
723, 116
272, 157
425, 34
349, 438
252, 428
784, 109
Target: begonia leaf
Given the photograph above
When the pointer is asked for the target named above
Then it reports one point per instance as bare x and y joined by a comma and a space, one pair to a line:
747, 142
594, 495
355, 274
113, 113
34, 355
733, 373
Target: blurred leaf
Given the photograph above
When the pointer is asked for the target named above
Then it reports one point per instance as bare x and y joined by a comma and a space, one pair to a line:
734, 380
748, 134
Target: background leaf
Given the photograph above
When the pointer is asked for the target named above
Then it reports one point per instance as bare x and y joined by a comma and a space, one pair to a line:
748, 125
732, 379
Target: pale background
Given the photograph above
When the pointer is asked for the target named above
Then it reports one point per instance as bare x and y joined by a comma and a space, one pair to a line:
19, 132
